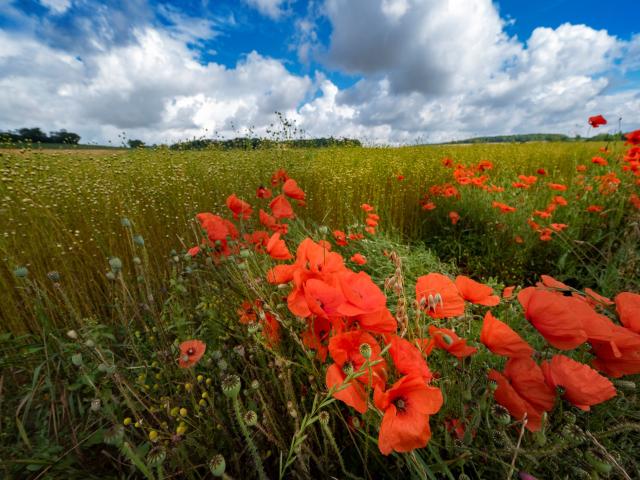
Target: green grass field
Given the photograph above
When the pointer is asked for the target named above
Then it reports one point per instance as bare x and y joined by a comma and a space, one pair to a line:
97, 294
62, 211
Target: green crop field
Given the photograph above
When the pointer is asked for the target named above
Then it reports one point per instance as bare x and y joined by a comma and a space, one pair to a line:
98, 292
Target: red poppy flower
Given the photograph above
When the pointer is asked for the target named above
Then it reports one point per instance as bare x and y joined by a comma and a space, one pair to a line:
448, 340
518, 239
581, 168
439, 296
191, 352
240, 208
280, 176
454, 217
619, 356
597, 120
553, 317
583, 386
504, 208
400, 177
508, 292
635, 200
366, 207
292, 190
345, 352
359, 259
340, 237
361, 294
447, 162
277, 249
541, 171
408, 359
595, 208
380, 321
550, 282
599, 161
633, 138
263, 192
498, 337
193, 251
594, 298
628, 308
560, 200
428, 206
281, 208
407, 406
523, 391
557, 186
475, 292
316, 336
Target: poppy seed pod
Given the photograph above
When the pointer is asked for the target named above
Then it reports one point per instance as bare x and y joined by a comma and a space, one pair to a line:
324, 417
365, 350
250, 418
231, 386
21, 272
156, 456
217, 465
116, 264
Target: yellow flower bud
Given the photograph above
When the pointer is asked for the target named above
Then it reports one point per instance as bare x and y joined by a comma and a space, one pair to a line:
127, 421
153, 435
183, 412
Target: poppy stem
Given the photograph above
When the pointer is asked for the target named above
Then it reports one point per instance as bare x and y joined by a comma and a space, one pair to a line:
247, 437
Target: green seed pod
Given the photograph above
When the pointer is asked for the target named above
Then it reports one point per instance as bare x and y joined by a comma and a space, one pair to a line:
255, 385
254, 327
323, 230
76, 359
501, 414
116, 264
250, 418
21, 272
217, 465
156, 456
114, 435
54, 276
244, 253
231, 386
365, 350
324, 417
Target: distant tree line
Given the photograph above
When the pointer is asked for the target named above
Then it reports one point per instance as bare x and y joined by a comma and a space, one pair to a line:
253, 143
36, 135
542, 137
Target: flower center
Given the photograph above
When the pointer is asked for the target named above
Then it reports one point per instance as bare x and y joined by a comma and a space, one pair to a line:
347, 368
401, 404
191, 351
434, 300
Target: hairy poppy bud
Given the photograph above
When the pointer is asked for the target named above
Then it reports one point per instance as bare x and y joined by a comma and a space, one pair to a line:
138, 240
125, 222
116, 264
231, 386
217, 465
72, 334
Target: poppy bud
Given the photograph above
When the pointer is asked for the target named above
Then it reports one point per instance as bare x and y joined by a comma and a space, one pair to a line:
21, 272
231, 386
244, 253
599, 465
323, 230
111, 276
217, 465
72, 334
138, 240
125, 222
255, 385
54, 276
250, 418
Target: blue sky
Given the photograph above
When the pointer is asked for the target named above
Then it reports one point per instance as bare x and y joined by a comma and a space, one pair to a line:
386, 71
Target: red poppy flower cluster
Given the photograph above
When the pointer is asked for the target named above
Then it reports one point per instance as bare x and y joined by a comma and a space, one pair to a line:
221, 237
541, 220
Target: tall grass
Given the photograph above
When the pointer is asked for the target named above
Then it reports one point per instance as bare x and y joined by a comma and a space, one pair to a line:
61, 213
